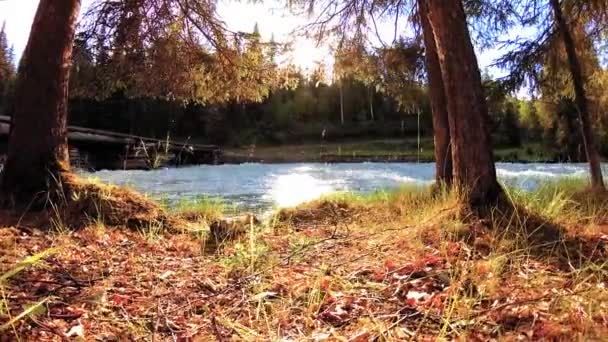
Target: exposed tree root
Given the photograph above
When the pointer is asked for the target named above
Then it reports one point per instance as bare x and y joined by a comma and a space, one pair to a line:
115, 206
74, 203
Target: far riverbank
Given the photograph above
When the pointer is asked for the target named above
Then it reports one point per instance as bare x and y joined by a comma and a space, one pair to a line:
384, 151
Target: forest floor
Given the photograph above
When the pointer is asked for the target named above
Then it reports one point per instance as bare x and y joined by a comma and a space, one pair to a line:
380, 150
380, 267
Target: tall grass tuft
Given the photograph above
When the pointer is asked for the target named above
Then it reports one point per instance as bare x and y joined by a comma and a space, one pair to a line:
207, 209
563, 201
28, 262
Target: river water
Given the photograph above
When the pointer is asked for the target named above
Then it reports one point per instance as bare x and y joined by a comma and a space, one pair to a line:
259, 187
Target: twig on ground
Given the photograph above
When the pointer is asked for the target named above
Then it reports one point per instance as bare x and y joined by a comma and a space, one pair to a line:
50, 329
399, 321
216, 331
525, 301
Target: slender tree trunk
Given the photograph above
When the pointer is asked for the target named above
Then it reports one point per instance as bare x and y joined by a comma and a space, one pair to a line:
341, 104
441, 126
472, 157
371, 104
573, 136
582, 104
38, 149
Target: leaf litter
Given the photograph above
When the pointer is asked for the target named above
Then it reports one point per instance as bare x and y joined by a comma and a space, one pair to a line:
356, 279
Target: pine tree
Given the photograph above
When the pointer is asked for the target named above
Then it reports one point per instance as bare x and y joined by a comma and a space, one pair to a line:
38, 154
558, 23
582, 102
7, 70
474, 171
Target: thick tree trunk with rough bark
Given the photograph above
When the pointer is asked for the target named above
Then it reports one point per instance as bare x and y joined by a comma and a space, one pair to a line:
582, 104
441, 126
38, 154
472, 157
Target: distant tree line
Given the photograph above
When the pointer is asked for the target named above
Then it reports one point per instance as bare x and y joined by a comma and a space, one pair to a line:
7, 70
373, 105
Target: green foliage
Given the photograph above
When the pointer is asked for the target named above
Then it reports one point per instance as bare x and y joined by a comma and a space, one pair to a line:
7, 70
238, 95
167, 63
504, 112
395, 71
206, 209
565, 201
540, 61
529, 118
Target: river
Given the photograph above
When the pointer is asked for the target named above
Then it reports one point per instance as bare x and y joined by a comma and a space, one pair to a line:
258, 187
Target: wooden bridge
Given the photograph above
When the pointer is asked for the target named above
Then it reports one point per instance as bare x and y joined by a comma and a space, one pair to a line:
95, 149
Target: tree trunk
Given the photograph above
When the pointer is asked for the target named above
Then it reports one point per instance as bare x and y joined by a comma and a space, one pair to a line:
38, 149
578, 79
371, 103
573, 137
341, 104
441, 126
472, 157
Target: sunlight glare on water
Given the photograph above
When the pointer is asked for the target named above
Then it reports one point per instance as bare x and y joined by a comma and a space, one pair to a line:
292, 189
259, 187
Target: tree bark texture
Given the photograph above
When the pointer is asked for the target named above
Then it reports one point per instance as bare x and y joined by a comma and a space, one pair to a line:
582, 103
472, 157
38, 149
441, 127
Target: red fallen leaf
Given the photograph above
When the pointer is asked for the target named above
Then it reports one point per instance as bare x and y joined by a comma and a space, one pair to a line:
118, 299
309, 232
325, 283
361, 337
482, 268
389, 265
66, 313
409, 268
435, 302
453, 249
433, 260
329, 299
378, 276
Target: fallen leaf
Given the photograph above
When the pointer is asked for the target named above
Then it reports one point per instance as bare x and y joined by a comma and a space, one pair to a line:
361, 337
119, 299
416, 296
76, 331
264, 295
321, 336
166, 275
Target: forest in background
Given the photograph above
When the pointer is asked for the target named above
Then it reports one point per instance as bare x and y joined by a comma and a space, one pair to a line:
355, 102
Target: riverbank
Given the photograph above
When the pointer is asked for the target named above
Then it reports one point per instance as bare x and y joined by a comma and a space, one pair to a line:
384, 150
385, 266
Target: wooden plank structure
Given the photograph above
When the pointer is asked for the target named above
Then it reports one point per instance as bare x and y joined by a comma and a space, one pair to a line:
95, 149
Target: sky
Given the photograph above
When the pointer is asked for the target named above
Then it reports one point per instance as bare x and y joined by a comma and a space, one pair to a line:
271, 16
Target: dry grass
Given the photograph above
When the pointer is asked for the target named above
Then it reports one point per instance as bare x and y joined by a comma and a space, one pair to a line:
388, 267
78, 202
